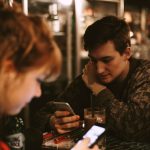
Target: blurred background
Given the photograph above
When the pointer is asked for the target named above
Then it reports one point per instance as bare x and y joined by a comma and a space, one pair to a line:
68, 20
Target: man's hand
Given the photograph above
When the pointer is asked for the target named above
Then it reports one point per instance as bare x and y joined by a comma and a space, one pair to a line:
83, 145
63, 122
89, 78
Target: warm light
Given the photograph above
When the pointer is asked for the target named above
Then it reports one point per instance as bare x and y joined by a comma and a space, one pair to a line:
65, 2
131, 34
128, 17
84, 54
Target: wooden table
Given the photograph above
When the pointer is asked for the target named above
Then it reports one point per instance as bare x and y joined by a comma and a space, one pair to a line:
112, 143
63, 142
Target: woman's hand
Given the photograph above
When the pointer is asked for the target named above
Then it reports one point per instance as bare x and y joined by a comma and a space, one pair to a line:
83, 145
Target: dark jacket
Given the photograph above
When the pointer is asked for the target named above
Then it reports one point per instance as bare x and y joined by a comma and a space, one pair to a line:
3, 144
127, 103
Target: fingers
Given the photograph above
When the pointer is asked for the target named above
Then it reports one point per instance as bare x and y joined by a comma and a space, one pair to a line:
85, 77
68, 125
66, 119
83, 145
64, 128
63, 116
61, 113
70, 119
62, 131
85, 69
86, 141
89, 68
64, 123
95, 147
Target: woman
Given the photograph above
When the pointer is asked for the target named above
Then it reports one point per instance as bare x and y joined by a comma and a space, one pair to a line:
28, 56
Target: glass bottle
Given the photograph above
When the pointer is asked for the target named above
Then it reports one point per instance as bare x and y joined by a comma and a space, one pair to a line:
53, 17
15, 133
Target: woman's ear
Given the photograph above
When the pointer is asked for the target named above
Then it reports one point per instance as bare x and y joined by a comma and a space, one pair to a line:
127, 53
8, 66
8, 70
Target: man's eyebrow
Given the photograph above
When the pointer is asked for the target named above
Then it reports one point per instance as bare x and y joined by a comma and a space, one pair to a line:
105, 57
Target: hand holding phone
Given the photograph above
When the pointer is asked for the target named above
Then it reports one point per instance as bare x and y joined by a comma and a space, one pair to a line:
58, 106
83, 145
63, 121
94, 133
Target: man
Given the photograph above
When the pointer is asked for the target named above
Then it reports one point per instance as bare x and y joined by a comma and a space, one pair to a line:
115, 80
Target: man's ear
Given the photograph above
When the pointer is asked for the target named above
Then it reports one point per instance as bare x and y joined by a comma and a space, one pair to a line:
127, 53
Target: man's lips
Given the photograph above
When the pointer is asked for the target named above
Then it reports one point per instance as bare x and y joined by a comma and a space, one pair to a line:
103, 76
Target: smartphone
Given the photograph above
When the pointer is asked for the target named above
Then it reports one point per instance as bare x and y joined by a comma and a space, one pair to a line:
94, 133
62, 106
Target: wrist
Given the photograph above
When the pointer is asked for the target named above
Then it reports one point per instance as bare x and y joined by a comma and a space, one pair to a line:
96, 88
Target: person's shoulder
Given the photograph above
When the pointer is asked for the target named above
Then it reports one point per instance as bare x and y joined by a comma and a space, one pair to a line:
77, 79
142, 69
143, 64
77, 82
144, 61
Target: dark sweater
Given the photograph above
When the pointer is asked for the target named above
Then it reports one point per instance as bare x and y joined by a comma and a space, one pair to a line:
127, 103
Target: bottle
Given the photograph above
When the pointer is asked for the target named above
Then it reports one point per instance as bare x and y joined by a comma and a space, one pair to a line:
15, 133
53, 18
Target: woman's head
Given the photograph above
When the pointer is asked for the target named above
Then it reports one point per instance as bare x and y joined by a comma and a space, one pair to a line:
28, 54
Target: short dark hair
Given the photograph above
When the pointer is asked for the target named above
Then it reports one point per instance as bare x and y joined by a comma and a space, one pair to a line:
109, 28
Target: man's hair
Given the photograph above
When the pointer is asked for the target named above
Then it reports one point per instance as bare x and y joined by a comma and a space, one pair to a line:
109, 28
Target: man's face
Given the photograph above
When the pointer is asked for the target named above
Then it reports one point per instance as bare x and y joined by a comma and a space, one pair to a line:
109, 63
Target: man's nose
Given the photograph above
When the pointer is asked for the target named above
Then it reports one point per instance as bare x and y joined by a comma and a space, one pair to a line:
100, 67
